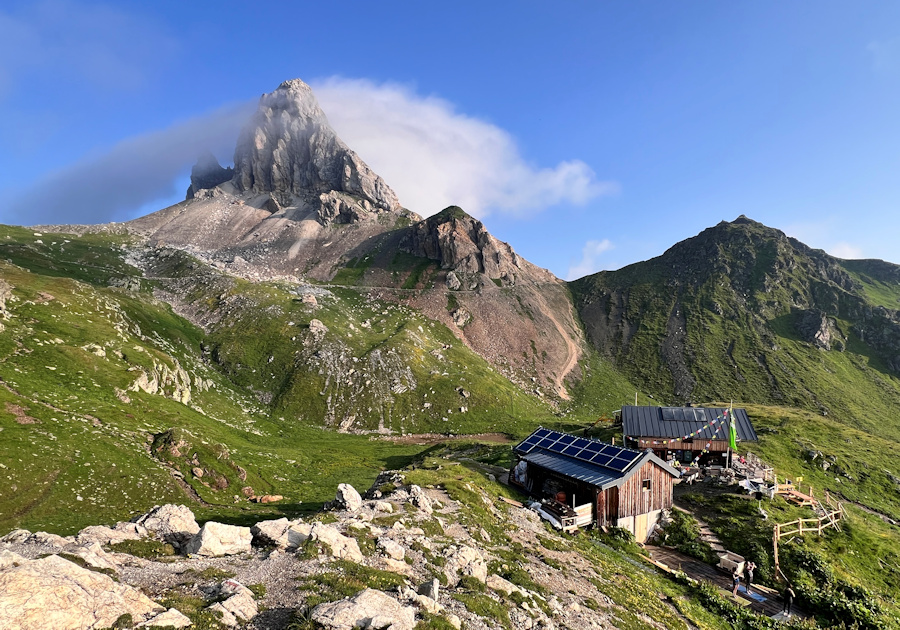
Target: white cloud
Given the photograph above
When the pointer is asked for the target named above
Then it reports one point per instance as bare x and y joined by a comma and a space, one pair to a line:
589, 262
131, 174
847, 251
433, 156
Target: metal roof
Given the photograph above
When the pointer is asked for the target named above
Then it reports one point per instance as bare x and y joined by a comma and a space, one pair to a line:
678, 422
588, 473
592, 461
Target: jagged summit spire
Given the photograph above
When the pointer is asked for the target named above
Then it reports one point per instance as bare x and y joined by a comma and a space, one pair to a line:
289, 148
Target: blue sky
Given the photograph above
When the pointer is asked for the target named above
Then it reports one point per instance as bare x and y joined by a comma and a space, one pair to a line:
589, 135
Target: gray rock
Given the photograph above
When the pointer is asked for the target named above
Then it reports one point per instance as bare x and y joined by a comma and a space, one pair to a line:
391, 548
54, 593
218, 539
171, 618
347, 498
173, 524
464, 561
430, 589
341, 546
367, 609
419, 499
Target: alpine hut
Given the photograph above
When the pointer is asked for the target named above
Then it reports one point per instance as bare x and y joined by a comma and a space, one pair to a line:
688, 435
583, 481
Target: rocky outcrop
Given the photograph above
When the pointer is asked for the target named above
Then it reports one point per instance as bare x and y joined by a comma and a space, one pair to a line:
289, 149
817, 328
54, 593
207, 173
463, 245
367, 609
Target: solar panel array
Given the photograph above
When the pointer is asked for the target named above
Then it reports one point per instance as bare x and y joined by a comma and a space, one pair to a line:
613, 457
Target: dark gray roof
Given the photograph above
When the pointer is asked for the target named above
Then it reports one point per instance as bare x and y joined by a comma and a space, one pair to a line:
588, 473
592, 461
678, 422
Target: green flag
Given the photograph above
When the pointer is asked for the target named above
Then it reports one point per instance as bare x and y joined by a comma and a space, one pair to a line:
732, 433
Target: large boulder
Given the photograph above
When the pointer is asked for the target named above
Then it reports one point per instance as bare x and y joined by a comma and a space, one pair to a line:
341, 546
54, 593
218, 539
239, 605
347, 498
110, 536
281, 533
174, 524
464, 561
367, 609
419, 499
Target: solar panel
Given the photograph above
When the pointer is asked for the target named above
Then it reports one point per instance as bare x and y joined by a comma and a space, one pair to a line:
620, 463
590, 450
580, 442
566, 439
601, 460
542, 433
571, 450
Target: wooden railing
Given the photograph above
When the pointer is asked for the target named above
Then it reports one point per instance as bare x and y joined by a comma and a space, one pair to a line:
829, 518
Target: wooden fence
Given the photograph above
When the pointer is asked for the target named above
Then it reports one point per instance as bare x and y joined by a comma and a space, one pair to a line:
830, 517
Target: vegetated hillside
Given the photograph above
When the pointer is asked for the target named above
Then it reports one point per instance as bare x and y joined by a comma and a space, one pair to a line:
106, 391
743, 312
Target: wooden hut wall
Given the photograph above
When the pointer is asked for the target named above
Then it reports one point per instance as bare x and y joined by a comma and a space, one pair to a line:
634, 500
663, 444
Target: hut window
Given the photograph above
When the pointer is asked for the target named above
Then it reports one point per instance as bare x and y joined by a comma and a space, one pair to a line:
646, 485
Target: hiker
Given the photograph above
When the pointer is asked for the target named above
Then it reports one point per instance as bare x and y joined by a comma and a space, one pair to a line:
750, 567
735, 582
788, 600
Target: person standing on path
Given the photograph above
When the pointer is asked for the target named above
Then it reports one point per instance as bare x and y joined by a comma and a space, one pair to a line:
788, 600
735, 582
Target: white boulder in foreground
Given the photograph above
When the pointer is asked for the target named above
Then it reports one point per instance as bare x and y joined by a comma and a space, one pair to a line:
367, 609
175, 524
54, 593
217, 539
170, 619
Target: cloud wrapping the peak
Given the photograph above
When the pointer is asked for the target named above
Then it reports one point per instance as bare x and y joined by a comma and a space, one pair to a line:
134, 172
433, 156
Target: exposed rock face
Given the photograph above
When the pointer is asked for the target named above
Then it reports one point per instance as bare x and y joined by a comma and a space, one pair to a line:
462, 244
288, 148
54, 593
816, 327
207, 173
366, 609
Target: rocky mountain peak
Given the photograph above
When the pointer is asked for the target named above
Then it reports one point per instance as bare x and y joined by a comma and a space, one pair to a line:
207, 173
290, 150
462, 244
